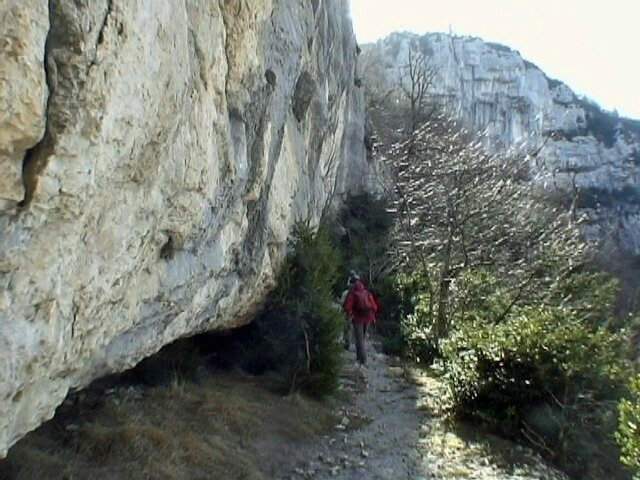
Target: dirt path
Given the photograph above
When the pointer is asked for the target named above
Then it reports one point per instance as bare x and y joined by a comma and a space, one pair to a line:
383, 424
389, 429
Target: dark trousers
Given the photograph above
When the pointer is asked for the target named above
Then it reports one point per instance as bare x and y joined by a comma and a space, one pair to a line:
346, 334
360, 332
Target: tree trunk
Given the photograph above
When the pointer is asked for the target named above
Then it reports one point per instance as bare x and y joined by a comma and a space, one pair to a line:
441, 326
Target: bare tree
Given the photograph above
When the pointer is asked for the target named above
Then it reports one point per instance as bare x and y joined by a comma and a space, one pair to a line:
395, 110
415, 81
462, 208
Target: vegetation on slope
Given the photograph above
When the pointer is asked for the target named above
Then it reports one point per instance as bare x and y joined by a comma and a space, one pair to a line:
495, 285
628, 434
190, 422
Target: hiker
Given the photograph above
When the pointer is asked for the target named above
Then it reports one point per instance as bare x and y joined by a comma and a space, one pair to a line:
361, 307
351, 281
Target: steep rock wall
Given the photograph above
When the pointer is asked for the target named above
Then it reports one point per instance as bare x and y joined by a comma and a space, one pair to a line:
492, 89
154, 157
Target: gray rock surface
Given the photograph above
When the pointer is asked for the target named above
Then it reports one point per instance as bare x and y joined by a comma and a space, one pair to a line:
492, 89
154, 157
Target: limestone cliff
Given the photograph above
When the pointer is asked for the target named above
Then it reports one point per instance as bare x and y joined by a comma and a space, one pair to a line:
154, 155
492, 89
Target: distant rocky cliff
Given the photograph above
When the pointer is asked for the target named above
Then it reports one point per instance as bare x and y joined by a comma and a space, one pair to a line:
154, 156
492, 89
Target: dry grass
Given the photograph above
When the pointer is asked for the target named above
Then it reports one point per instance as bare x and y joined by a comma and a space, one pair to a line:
228, 426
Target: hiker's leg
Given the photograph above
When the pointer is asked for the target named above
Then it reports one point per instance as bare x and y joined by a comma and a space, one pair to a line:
358, 330
346, 333
365, 327
355, 338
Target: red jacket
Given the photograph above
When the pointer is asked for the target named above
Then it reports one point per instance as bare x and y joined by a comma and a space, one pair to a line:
359, 317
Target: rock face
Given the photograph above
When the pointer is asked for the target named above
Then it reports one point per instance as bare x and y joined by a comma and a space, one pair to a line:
154, 157
492, 89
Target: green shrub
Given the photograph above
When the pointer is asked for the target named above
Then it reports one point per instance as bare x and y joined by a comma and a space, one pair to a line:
419, 334
416, 310
550, 373
628, 434
476, 295
299, 331
388, 324
541, 374
364, 225
536, 352
591, 296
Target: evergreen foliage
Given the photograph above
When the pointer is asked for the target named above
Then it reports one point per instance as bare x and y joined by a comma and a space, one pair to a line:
545, 373
298, 333
301, 322
365, 223
628, 434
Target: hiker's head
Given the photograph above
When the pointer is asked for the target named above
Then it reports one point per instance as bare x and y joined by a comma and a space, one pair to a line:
354, 280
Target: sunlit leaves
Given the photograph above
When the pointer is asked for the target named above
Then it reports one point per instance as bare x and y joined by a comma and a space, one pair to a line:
628, 434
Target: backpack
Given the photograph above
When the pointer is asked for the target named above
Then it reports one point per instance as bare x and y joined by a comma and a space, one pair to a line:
362, 303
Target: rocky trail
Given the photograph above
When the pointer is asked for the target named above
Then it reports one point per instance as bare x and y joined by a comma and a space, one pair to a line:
384, 423
389, 427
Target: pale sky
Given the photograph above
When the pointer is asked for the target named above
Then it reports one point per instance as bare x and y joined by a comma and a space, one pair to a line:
591, 45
